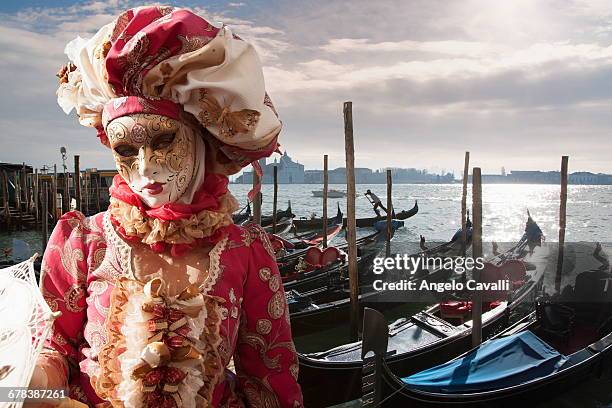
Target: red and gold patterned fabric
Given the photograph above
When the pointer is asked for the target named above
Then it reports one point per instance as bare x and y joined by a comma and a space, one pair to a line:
97, 279
166, 60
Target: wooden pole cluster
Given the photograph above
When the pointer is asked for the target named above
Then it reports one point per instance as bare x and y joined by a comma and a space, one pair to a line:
351, 233
325, 191
466, 167
476, 253
275, 200
562, 222
389, 214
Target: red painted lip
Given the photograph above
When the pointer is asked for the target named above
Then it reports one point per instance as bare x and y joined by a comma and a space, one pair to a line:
154, 188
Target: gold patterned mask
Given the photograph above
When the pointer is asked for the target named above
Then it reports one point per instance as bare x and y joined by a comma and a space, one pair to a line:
156, 156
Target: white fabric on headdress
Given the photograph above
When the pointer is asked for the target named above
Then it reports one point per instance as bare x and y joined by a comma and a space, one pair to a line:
230, 71
87, 89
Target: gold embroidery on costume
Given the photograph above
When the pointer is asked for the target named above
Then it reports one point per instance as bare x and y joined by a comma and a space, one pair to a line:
259, 394
264, 326
72, 297
192, 43
253, 232
265, 273
70, 258
274, 283
294, 369
230, 123
276, 305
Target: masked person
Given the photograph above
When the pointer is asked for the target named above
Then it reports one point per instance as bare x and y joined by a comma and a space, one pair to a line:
159, 293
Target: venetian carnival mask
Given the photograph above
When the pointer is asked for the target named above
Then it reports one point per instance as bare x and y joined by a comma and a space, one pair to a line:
157, 157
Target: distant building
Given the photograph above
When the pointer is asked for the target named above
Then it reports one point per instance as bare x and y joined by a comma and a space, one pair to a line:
289, 172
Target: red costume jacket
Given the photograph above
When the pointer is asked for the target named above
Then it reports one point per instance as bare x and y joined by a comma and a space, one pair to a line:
91, 275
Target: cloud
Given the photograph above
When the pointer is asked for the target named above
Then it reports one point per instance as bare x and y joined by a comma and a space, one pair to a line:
518, 83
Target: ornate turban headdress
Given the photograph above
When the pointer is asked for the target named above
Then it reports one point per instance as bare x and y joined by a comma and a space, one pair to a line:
165, 60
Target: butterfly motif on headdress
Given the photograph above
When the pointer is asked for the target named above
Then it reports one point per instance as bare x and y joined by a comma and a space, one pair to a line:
229, 123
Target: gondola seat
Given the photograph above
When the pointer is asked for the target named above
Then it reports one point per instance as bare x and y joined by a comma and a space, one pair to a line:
462, 310
318, 258
515, 271
556, 321
452, 309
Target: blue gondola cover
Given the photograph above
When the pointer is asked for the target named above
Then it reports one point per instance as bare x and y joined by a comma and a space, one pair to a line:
496, 364
382, 225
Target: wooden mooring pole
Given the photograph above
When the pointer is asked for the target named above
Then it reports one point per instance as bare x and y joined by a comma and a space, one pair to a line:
36, 197
23, 179
256, 199
5, 199
562, 222
45, 215
66, 193
351, 233
17, 187
77, 182
389, 213
466, 168
56, 210
325, 191
476, 253
98, 192
275, 199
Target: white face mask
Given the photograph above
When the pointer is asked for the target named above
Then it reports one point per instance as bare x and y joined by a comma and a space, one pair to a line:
158, 157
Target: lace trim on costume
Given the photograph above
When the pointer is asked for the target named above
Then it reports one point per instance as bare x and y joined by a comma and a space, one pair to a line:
120, 246
152, 231
214, 268
110, 371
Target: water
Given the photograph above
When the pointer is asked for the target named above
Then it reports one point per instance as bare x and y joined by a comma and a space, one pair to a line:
589, 218
589, 208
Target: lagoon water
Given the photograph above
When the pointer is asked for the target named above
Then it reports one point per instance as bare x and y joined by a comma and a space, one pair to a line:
589, 208
589, 219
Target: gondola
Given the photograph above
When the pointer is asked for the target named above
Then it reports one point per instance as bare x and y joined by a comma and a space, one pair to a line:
283, 217
306, 224
283, 226
433, 335
266, 220
312, 316
243, 216
565, 341
319, 284
288, 250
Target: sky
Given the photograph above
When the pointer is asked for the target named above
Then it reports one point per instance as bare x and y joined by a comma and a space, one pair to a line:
517, 83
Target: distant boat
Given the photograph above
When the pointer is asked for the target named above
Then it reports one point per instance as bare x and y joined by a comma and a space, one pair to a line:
330, 193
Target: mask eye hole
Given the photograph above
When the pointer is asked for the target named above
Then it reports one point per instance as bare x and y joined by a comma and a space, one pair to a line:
126, 150
162, 141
